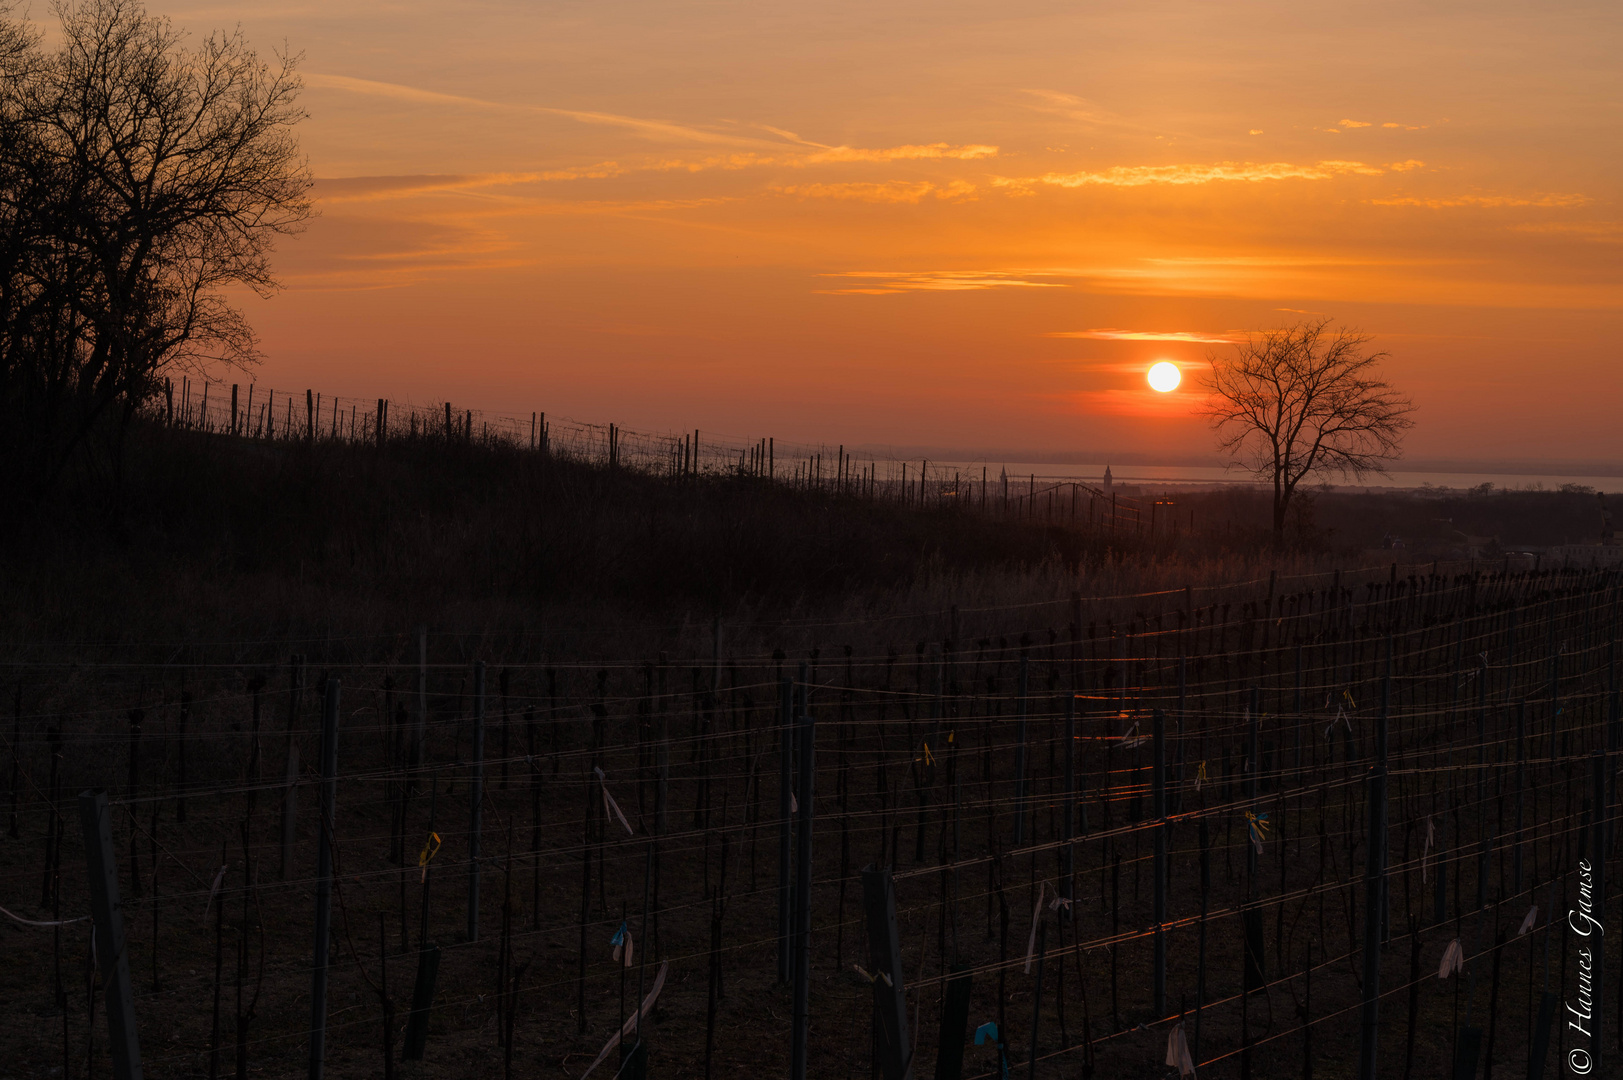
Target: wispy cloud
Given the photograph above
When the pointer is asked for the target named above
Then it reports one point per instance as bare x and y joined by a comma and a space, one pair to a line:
1354, 123
891, 191
1608, 232
1218, 172
1195, 336
927, 152
383, 188
357, 189
1486, 201
880, 282
1085, 112
819, 154
656, 129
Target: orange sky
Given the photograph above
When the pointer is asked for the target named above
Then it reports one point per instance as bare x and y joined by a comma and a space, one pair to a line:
953, 224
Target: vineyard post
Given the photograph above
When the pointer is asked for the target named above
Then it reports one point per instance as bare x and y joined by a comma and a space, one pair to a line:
585, 900
428, 954
1484, 838
1068, 863
290, 790
324, 880
422, 999
1374, 891
785, 782
535, 819
1300, 720
16, 755
419, 733
1161, 826
108, 915
1036, 997
954, 1022
802, 1015
182, 722
1521, 783
1204, 831
476, 795
1183, 706
133, 788
885, 955
507, 723
1020, 752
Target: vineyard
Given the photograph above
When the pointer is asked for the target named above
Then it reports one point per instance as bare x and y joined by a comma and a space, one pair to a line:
1331, 825
311, 419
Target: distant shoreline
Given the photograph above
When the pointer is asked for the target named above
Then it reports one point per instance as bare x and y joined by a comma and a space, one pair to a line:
1128, 475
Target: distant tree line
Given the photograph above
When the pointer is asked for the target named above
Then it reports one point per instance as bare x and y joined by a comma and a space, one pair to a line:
143, 178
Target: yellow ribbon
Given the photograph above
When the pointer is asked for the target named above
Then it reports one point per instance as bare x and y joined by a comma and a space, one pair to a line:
928, 759
431, 848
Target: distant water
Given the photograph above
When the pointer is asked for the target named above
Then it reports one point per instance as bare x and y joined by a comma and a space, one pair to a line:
1048, 472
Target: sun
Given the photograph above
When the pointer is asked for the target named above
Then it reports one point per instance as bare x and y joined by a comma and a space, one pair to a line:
1165, 377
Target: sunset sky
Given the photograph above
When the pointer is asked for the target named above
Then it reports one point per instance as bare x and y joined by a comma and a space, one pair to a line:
953, 224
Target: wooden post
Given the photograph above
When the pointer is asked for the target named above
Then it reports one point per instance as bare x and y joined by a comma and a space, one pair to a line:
1068, 862
181, 723
1036, 998
419, 734
1020, 752
422, 999
1159, 782
785, 788
1375, 892
476, 798
802, 1014
108, 915
329, 799
949, 1061
290, 788
885, 958
507, 723
132, 788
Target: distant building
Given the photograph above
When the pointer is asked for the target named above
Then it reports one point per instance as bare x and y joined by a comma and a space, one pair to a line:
1108, 479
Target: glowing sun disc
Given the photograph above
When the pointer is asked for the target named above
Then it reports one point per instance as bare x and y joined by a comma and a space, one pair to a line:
1165, 377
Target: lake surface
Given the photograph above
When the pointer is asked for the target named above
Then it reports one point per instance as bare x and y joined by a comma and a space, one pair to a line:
1048, 472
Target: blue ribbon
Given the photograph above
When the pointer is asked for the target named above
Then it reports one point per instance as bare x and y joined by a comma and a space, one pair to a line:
619, 935
986, 1031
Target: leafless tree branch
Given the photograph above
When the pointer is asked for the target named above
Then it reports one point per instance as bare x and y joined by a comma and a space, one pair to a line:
140, 181
1304, 401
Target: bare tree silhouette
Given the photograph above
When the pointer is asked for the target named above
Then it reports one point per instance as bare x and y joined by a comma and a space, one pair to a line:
1303, 401
140, 179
